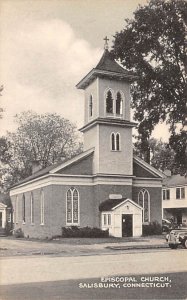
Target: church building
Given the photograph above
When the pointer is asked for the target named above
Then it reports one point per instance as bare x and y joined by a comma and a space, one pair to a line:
105, 186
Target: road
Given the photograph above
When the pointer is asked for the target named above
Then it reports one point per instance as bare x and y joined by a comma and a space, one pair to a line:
73, 277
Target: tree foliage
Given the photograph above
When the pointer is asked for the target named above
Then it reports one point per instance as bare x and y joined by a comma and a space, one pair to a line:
162, 156
46, 138
153, 45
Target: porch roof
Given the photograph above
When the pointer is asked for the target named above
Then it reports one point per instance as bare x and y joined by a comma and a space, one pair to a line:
110, 204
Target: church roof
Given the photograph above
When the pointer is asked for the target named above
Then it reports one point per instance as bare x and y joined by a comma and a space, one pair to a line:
107, 63
55, 167
109, 204
107, 67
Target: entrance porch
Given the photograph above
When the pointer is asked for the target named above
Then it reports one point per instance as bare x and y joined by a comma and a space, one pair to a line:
122, 217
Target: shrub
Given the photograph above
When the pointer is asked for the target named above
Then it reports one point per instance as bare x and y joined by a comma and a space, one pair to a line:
18, 233
153, 228
8, 228
84, 232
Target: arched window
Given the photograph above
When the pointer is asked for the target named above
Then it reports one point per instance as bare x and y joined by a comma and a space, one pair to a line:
109, 102
119, 104
32, 208
23, 209
42, 207
91, 106
115, 141
144, 202
72, 207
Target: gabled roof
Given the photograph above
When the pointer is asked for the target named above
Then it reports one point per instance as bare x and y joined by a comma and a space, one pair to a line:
175, 180
56, 167
148, 167
111, 204
107, 67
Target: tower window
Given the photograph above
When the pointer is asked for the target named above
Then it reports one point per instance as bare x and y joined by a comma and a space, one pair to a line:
115, 141
109, 102
119, 104
91, 106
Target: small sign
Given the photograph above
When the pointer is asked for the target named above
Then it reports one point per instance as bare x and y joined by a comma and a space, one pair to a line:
115, 196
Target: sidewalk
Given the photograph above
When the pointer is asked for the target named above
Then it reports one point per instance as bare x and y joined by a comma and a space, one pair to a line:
10, 246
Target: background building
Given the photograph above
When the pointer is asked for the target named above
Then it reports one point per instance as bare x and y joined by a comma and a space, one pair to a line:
174, 195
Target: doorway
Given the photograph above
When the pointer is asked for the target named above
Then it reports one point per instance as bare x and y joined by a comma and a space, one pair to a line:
127, 225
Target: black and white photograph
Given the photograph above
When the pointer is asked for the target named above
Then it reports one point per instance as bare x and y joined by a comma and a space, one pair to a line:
93, 155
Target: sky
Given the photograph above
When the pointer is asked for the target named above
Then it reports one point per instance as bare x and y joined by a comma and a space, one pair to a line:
48, 46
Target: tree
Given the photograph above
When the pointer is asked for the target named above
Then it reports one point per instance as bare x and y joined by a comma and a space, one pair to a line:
162, 156
153, 46
46, 138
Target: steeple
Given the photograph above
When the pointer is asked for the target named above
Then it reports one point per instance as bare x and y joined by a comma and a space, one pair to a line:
107, 67
107, 125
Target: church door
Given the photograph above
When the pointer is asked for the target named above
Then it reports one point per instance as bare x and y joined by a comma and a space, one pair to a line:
127, 225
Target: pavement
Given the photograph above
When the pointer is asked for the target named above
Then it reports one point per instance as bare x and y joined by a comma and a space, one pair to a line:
10, 246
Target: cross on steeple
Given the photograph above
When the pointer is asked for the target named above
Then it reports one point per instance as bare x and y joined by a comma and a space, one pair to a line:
106, 43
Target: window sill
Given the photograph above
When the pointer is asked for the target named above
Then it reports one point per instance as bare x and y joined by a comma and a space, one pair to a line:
42, 224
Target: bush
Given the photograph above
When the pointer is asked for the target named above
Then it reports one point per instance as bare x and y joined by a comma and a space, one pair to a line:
18, 233
152, 229
8, 228
84, 232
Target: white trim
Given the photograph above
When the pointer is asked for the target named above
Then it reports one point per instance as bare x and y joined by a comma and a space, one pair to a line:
60, 179
94, 74
148, 182
73, 160
127, 200
147, 167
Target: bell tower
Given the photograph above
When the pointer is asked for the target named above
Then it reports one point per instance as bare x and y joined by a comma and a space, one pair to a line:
107, 126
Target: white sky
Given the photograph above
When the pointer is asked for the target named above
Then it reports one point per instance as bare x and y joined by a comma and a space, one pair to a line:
47, 46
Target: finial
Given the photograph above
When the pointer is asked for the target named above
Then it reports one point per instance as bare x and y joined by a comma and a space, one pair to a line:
106, 43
